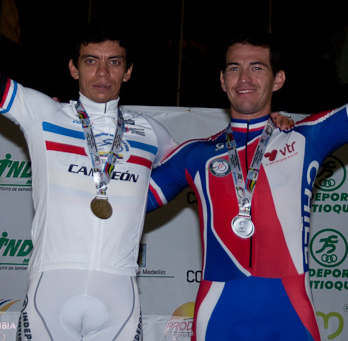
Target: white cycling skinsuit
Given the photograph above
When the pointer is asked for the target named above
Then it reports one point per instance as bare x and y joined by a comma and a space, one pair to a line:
82, 271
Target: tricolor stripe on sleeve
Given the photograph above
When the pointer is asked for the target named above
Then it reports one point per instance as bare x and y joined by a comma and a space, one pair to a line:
157, 194
8, 91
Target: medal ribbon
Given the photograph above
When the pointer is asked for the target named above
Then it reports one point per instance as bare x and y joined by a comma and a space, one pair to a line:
101, 175
244, 193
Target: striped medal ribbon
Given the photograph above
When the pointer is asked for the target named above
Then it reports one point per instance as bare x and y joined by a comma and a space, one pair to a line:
242, 224
100, 205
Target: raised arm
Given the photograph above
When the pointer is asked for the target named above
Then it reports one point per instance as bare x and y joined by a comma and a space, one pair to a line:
23, 105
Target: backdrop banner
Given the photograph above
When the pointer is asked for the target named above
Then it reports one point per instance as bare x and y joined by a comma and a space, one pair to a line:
170, 250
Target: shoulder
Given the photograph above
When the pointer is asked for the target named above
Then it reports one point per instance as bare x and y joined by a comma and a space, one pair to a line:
131, 114
194, 146
311, 119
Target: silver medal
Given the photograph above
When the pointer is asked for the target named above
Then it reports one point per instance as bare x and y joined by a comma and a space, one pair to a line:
242, 226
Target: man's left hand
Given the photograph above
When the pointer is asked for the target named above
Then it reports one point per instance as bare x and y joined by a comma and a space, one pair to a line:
282, 122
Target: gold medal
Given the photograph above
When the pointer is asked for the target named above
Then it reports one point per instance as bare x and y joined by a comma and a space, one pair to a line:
101, 208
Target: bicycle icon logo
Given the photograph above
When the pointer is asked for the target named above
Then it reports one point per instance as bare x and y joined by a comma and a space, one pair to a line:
329, 248
331, 166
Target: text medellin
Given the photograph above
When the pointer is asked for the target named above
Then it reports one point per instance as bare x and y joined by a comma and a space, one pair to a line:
122, 176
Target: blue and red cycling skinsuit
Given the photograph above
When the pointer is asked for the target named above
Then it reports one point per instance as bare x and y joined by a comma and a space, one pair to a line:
255, 288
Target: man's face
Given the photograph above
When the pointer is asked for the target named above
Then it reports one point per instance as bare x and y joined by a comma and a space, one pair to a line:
101, 70
249, 82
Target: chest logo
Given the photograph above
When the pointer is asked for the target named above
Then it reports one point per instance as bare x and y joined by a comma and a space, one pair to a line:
219, 167
284, 153
272, 155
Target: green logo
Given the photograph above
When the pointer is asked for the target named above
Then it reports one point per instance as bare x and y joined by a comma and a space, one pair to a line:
329, 247
325, 180
326, 318
14, 173
17, 248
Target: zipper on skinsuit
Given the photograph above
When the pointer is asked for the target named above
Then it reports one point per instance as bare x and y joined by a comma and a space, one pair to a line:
247, 167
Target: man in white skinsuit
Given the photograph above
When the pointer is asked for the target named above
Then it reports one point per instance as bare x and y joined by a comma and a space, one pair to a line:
91, 166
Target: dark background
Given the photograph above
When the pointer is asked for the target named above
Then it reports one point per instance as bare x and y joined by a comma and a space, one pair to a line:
312, 34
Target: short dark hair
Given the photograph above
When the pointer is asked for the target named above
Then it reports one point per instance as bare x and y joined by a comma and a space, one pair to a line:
99, 33
257, 39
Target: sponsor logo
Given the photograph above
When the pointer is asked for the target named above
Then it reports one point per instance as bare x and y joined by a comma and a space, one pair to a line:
271, 155
336, 318
219, 167
5, 305
282, 154
191, 198
193, 276
139, 332
129, 121
325, 180
7, 326
88, 171
219, 146
23, 323
329, 248
331, 176
14, 252
24, 327
147, 271
307, 195
137, 131
179, 327
14, 172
